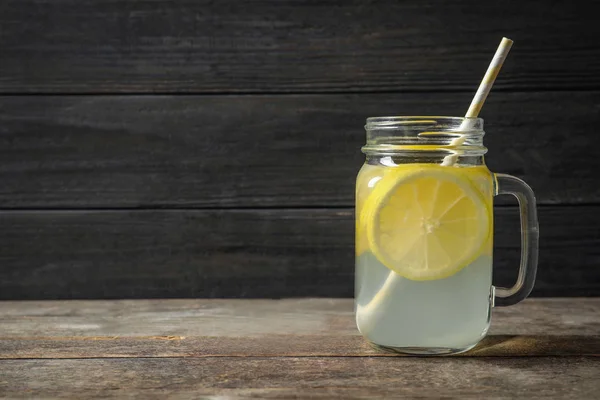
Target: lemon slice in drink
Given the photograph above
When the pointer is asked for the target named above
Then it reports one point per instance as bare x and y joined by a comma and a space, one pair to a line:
368, 178
426, 223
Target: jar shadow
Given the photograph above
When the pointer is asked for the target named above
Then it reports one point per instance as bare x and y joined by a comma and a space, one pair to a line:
535, 345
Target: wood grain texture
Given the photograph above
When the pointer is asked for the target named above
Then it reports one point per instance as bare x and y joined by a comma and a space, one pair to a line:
270, 45
247, 253
292, 348
42, 347
265, 151
304, 378
176, 319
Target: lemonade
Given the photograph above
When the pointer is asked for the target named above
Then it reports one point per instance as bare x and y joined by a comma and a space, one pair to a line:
423, 255
424, 227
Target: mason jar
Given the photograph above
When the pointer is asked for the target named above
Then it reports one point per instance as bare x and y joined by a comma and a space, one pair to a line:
424, 235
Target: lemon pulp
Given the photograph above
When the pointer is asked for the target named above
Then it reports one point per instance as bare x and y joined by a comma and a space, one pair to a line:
424, 221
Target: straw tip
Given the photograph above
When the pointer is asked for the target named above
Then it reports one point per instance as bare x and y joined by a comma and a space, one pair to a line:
507, 40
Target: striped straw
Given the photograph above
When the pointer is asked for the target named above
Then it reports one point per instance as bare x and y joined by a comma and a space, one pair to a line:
482, 93
489, 78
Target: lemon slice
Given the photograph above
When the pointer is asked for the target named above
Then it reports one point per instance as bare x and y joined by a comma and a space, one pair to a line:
427, 223
368, 178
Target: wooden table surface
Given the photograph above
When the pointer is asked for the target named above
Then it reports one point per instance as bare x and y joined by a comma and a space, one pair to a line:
294, 348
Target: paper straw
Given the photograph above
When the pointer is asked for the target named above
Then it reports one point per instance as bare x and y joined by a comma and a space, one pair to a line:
489, 78
485, 86
482, 93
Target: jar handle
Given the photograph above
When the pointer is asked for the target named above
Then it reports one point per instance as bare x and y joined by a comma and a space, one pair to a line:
507, 184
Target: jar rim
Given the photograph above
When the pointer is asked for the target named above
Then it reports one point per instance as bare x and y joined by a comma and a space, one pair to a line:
424, 134
439, 121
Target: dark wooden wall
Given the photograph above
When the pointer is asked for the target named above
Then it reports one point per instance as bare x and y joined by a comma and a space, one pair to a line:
160, 148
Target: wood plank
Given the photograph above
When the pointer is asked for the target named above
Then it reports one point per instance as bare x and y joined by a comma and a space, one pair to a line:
247, 253
264, 151
270, 45
310, 378
262, 328
233, 359
174, 320
274, 346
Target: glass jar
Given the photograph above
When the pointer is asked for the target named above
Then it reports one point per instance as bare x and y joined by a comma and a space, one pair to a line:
424, 235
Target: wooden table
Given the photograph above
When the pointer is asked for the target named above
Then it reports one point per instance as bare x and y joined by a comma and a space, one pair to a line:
300, 348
